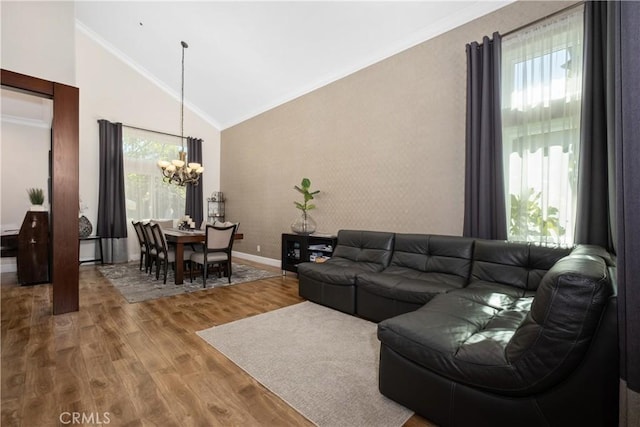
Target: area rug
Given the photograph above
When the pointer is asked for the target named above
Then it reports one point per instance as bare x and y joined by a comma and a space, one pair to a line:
136, 286
322, 362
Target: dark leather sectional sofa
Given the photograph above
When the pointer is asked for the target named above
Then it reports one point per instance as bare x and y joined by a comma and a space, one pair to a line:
479, 332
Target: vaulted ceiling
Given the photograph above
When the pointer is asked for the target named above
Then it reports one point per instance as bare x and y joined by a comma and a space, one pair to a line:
247, 57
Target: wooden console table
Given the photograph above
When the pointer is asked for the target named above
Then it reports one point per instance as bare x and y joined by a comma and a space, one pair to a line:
95, 239
297, 248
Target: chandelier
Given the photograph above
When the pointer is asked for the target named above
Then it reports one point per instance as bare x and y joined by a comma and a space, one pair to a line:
178, 171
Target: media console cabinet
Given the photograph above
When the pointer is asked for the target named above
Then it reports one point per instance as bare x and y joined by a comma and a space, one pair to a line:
298, 248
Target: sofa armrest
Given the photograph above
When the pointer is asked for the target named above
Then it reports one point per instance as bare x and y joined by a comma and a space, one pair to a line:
563, 319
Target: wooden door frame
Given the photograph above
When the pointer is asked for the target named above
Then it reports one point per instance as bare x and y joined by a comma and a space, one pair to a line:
64, 184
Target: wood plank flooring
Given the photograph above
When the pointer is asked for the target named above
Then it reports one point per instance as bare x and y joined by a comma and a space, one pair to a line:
141, 364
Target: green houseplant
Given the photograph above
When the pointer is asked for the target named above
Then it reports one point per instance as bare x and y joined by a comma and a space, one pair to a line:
528, 221
36, 197
305, 224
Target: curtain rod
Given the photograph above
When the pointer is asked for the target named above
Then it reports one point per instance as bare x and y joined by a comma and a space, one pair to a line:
154, 131
522, 27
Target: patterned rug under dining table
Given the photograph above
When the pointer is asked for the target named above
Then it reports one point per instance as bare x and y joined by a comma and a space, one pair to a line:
180, 238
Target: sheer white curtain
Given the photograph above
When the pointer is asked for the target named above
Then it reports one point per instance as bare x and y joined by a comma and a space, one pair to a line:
147, 196
541, 92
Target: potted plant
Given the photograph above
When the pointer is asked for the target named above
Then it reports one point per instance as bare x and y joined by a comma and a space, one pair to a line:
305, 224
36, 197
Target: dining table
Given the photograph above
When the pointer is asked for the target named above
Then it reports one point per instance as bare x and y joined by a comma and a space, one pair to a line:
179, 238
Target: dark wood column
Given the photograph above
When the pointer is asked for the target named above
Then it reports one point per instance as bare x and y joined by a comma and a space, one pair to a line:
64, 172
65, 198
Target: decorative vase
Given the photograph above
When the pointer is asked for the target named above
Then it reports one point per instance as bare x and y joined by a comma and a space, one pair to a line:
304, 224
85, 227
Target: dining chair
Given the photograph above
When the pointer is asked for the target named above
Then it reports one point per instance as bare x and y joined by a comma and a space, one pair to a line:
165, 256
219, 224
152, 253
144, 249
217, 247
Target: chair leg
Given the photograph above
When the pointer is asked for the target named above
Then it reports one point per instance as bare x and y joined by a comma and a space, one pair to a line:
204, 275
229, 271
166, 267
141, 258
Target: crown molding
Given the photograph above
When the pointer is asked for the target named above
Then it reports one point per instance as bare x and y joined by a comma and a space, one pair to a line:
143, 72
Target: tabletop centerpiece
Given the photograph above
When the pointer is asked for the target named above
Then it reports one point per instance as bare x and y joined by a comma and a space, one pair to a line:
186, 224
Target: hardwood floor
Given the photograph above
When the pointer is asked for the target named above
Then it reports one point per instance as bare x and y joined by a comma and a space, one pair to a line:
134, 364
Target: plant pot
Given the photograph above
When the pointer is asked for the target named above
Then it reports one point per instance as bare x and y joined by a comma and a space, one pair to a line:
37, 208
304, 224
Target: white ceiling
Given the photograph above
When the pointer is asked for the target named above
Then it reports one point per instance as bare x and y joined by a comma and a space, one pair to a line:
247, 57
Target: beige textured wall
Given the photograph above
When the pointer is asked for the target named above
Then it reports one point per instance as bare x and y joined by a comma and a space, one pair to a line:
384, 145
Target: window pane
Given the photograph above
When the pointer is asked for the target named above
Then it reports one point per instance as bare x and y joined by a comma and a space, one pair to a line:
147, 195
541, 100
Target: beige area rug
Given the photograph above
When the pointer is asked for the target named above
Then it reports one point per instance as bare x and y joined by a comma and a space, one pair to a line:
137, 286
322, 362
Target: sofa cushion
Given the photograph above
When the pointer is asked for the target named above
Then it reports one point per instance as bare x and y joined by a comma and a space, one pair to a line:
431, 253
491, 290
422, 266
520, 265
506, 344
371, 249
457, 337
335, 271
356, 252
408, 285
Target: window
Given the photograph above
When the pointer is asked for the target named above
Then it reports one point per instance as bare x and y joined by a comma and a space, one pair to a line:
541, 103
147, 196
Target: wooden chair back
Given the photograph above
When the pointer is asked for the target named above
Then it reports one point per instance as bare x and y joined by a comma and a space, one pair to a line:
219, 239
159, 239
137, 226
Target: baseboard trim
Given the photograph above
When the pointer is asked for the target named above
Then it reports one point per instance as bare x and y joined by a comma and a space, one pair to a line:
262, 260
11, 267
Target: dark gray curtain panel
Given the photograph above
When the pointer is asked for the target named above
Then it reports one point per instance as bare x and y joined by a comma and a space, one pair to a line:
112, 214
484, 199
628, 205
595, 215
194, 202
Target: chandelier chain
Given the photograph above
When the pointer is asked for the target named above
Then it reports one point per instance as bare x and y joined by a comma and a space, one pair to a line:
182, 100
179, 171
